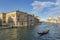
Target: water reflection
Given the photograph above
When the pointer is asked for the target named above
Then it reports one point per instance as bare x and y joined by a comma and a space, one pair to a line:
31, 33
8, 34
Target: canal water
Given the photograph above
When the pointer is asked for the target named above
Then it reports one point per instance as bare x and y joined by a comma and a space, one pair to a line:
31, 33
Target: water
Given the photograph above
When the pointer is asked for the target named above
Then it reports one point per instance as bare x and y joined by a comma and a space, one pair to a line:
31, 33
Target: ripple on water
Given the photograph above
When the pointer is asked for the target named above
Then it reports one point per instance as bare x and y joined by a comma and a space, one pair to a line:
31, 33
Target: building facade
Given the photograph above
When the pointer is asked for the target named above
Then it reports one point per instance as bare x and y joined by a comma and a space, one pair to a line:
18, 18
51, 20
58, 20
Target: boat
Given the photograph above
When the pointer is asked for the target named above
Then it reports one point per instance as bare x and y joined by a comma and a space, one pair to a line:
43, 33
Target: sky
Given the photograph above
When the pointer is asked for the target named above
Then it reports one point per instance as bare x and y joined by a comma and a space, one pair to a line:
41, 8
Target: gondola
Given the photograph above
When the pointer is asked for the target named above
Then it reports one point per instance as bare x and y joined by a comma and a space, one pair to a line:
43, 33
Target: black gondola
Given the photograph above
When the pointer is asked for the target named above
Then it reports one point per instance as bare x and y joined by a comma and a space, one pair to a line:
43, 33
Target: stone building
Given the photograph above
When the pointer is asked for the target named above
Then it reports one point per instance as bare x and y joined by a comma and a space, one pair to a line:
22, 19
51, 20
3, 18
58, 20
1, 15
30, 20
18, 18
37, 18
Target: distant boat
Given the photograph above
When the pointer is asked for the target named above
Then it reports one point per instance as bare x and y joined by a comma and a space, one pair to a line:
43, 33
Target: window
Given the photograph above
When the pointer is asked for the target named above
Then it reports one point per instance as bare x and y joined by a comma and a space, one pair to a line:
4, 21
22, 16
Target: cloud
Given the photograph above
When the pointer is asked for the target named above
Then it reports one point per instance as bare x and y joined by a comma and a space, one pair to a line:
38, 6
58, 2
55, 12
